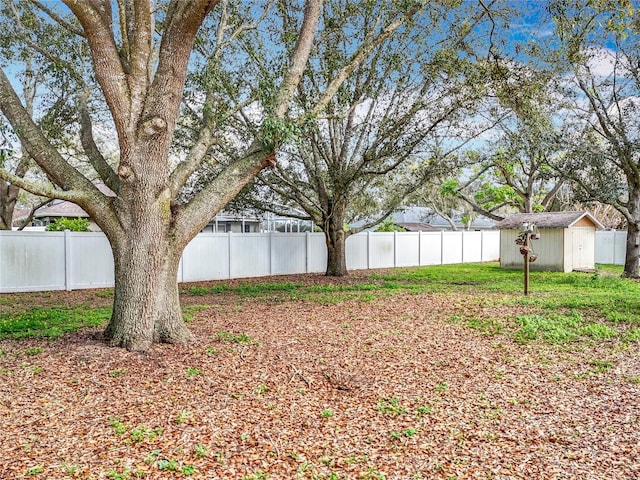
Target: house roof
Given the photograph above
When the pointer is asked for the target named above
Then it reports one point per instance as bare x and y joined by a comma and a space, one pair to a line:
64, 208
416, 227
61, 208
415, 214
547, 220
20, 213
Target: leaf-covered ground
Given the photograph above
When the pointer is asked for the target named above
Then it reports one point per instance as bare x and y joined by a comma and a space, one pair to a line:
380, 385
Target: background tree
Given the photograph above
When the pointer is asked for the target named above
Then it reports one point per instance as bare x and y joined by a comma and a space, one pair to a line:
388, 128
140, 65
23, 63
599, 44
515, 170
439, 195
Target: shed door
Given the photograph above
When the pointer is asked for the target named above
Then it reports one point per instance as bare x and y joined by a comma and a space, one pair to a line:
583, 248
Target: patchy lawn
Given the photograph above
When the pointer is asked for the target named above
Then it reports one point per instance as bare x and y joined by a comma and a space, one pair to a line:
369, 377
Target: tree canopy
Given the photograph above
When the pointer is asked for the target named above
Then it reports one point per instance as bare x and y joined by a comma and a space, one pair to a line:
175, 82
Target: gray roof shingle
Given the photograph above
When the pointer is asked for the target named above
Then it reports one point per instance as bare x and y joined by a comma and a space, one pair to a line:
546, 220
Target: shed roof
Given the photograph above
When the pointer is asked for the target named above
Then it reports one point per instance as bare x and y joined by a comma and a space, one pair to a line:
547, 220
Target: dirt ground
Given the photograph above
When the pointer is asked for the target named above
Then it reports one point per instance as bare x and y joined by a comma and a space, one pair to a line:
284, 389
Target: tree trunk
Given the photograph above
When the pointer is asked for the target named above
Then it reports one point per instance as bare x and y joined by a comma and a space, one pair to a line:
336, 258
146, 304
8, 197
335, 238
633, 249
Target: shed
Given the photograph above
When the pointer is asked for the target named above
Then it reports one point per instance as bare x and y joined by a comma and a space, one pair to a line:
567, 240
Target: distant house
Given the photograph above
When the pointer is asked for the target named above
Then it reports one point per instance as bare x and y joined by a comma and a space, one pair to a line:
19, 216
416, 227
223, 222
226, 222
423, 216
567, 240
56, 209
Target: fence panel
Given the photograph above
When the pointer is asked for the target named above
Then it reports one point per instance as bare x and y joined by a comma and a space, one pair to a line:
90, 261
472, 246
605, 247
357, 251
32, 262
288, 254
407, 249
451, 247
317, 256
250, 255
611, 246
206, 258
381, 250
431, 248
620, 247
490, 245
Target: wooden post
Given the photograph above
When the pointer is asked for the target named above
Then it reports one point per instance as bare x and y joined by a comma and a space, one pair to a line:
526, 263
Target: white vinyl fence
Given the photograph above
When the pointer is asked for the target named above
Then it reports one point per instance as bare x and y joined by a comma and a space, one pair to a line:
36, 261
611, 246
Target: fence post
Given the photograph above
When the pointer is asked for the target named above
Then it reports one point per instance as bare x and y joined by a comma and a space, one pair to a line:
230, 256
368, 250
420, 248
481, 246
307, 249
462, 243
271, 252
395, 248
67, 261
441, 247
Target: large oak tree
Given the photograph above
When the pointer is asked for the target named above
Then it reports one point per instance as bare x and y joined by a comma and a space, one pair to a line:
140, 55
599, 48
389, 128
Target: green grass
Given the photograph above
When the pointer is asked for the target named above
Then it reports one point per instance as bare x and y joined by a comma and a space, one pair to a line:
561, 307
235, 338
189, 311
50, 322
245, 289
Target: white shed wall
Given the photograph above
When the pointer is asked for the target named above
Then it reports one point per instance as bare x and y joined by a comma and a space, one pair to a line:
549, 249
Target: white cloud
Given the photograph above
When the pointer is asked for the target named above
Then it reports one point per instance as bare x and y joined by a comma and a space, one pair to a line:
602, 62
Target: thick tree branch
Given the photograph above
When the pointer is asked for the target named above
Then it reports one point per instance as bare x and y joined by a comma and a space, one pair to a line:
183, 21
34, 141
97, 160
42, 189
299, 57
194, 159
108, 68
356, 59
50, 160
192, 217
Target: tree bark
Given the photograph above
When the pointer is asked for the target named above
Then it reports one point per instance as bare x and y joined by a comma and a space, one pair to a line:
8, 197
335, 238
633, 249
633, 241
146, 304
336, 258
